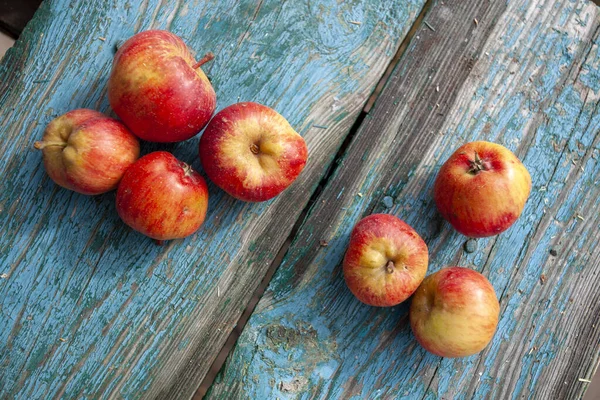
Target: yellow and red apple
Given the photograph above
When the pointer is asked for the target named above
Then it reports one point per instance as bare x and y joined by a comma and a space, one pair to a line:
454, 312
482, 189
251, 152
385, 262
162, 197
86, 151
158, 89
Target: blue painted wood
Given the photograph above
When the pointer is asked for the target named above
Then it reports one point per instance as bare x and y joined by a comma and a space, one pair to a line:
91, 309
524, 74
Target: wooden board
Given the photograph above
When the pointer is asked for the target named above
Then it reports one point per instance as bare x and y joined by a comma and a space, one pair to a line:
91, 309
525, 74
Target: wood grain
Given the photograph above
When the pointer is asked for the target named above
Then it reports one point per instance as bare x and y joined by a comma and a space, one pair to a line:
525, 74
91, 309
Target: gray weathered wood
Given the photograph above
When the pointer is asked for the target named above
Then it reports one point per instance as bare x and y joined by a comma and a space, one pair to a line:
525, 74
92, 309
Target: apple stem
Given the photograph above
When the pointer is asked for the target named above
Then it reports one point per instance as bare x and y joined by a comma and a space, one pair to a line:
390, 267
207, 57
41, 144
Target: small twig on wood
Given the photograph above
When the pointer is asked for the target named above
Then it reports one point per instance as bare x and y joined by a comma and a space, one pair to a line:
218, 291
102, 38
584, 380
476, 22
3, 276
320, 126
324, 243
355, 22
580, 217
534, 348
429, 26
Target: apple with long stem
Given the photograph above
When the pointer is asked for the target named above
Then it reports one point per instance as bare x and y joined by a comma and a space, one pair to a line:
158, 89
87, 152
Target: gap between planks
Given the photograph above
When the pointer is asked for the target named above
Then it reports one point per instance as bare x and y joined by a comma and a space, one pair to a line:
333, 166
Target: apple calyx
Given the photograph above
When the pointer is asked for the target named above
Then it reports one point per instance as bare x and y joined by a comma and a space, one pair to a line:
477, 165
207, 57
254, 148
187, 169
389, 267
39, 145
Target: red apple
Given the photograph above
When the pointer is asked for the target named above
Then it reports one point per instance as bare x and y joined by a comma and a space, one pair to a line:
158, 89
87, 152
482, 189
251, 152
162, 197
454, 313
385, 262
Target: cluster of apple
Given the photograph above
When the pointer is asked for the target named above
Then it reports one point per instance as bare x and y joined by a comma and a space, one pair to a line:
162, 95
250, 151
481, 190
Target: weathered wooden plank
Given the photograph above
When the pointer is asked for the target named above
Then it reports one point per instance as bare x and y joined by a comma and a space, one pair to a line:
90, 308
525, 74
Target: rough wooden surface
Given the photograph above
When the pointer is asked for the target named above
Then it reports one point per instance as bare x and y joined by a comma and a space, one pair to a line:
89, 308
525, 74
